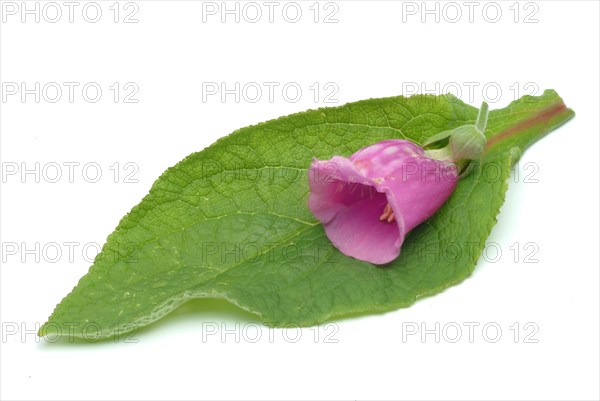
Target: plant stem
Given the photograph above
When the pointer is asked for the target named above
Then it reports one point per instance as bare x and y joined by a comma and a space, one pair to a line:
482, 117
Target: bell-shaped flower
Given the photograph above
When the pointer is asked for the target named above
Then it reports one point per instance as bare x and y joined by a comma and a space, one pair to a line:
369, 202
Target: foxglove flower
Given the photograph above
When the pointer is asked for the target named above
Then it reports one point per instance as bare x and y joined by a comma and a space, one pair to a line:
370, 201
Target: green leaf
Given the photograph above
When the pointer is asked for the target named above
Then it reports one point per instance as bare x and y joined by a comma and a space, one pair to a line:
231, 222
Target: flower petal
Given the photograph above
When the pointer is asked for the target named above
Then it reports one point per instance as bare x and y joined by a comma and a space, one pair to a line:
349, 205
418, 184
357, 231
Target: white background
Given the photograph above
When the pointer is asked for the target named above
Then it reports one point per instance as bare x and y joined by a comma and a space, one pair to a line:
374, 50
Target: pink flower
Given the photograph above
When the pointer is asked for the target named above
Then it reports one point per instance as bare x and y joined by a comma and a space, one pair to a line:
370, 201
